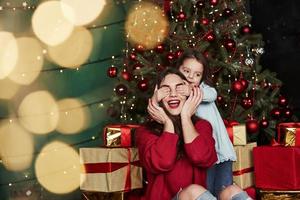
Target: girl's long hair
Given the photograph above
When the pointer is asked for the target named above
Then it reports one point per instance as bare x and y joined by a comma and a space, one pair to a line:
158, 128
192, 53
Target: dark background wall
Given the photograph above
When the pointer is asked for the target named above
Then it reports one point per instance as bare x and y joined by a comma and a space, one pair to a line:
279, 23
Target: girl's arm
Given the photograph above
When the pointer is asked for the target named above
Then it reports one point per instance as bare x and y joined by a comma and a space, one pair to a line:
209, 93
188, 109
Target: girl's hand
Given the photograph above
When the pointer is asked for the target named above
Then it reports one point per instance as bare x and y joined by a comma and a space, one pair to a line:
157, 113
160, 93
190, 106
185, 89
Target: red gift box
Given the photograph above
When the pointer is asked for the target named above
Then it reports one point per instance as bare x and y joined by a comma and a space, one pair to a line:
277, 168
119, 135
288, 134
251, 192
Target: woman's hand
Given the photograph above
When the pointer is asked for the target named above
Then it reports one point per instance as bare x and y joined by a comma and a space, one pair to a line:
156, 112
193, 101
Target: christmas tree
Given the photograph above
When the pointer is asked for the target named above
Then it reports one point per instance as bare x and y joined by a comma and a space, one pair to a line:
158, 32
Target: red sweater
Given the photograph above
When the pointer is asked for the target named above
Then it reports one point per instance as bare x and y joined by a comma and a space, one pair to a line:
165, 173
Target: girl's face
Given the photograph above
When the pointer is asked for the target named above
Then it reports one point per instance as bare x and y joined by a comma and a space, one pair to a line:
173, 103
192, 70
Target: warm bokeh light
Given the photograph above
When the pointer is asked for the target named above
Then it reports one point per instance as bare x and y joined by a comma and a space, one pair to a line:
8, 53
49, 23
8, 89
146, 25
30, 61
84, 11
74, 51
57, 168
73, 117
16, 146
39, 112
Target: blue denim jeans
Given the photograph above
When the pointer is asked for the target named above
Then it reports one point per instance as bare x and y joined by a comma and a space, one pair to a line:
218, 177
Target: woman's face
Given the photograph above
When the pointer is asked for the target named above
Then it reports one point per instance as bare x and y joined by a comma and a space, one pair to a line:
173, 103
192, 69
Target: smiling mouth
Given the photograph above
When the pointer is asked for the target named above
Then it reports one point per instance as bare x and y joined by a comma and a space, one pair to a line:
173, 103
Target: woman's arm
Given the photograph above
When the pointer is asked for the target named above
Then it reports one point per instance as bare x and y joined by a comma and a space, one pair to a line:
157, 153
209, 93
201, 151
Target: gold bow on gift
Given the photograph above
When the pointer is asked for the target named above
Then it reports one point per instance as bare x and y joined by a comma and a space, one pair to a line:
113, 136
290, 136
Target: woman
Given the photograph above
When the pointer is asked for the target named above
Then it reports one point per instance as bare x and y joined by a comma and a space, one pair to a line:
177, 151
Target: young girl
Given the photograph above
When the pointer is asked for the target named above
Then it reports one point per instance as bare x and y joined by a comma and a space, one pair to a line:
195, 68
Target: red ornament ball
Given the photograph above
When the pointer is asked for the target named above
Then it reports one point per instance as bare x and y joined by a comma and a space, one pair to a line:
137, 66
112, 71
178, 53
210, 37
244, 83
205, 21
246, 29
227, 12
276, 113
160, 67
121, 89
264, 123
200, 4
214, 2
181, 16
288, 113
133, 56
229, 44
247, 103
160, 48
220, 99
252, 126
237, 87
170, 56
126, 75
143, 85
282, 101
140, 48
206, 54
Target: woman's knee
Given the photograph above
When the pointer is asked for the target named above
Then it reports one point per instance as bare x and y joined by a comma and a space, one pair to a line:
191, 192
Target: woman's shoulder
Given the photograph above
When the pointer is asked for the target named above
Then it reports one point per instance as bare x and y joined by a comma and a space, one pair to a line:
202, 123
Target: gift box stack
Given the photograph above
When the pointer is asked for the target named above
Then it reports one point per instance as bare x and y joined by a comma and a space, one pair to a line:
112, 171
277, 167
243, 171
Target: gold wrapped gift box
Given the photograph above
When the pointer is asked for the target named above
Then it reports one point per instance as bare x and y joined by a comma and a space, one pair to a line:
243, 168
85, 195
280, 195
110, 169
237, 134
